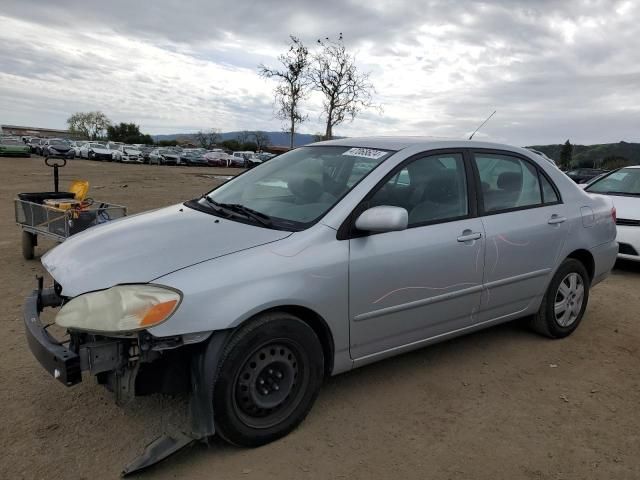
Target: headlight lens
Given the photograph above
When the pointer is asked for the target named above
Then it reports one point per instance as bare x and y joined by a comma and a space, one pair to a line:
123, 308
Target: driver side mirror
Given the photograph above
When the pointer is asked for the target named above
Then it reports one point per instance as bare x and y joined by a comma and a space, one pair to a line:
383, 219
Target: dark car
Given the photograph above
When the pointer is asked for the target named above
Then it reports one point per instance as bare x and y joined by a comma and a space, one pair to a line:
583, 175
194, 157
146, 150
33, 144
164, 156
57, 148
39, 145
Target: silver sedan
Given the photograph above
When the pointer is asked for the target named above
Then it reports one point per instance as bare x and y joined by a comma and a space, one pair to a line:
326, 258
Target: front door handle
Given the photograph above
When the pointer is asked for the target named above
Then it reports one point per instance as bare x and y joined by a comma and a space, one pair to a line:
556, 219
468, 237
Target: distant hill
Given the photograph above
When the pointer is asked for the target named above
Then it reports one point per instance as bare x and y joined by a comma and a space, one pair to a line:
277, 138
590, 155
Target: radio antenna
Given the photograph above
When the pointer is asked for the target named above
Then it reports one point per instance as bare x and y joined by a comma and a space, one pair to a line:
482, 124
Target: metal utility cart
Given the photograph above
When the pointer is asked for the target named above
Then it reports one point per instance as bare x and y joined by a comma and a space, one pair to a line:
58, 215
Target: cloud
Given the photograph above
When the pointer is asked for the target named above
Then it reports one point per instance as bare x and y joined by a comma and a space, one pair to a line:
552, 69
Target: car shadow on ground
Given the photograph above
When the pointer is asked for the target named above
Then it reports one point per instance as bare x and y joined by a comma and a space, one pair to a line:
627, 266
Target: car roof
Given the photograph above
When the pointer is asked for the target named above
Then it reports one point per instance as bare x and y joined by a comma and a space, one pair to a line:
428, 143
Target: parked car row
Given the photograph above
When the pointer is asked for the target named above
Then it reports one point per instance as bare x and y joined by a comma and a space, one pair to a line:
120, 152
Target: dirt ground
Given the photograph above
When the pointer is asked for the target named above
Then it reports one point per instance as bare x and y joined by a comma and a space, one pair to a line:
500, 404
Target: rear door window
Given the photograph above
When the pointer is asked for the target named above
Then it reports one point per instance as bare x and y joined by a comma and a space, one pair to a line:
507, 182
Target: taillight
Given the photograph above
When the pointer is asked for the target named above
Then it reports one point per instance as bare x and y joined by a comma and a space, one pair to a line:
614, 214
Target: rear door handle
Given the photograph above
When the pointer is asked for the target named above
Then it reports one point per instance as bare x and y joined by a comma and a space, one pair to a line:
556, 219
467, 237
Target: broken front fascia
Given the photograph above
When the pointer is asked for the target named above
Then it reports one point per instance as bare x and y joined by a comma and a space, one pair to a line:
118, 361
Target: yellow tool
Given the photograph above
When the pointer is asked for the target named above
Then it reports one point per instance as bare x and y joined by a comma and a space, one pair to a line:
79, 189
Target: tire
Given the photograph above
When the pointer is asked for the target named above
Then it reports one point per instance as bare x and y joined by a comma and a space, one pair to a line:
28, 243
269, 376
560, 325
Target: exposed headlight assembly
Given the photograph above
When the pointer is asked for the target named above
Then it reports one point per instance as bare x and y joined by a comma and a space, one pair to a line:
123, 308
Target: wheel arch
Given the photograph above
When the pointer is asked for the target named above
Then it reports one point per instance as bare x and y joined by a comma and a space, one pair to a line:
586, 258
315, 321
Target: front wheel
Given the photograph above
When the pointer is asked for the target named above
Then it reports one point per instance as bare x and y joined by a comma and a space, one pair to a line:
269, 377
565, 301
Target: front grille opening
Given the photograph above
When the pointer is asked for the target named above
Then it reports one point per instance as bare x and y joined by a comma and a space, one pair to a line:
626, 249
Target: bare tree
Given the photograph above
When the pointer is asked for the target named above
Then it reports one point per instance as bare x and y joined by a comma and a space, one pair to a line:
90, 125
209, 139
243, 136
292, 85
346, 91
262, 139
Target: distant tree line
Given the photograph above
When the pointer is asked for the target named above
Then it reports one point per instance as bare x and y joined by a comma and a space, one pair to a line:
97, 126
331, 70
606, 156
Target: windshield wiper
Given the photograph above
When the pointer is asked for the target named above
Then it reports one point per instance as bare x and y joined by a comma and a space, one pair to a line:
249, 212
236, 208
613, 192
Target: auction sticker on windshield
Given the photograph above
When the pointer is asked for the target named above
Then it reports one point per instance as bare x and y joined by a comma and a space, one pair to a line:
365, 152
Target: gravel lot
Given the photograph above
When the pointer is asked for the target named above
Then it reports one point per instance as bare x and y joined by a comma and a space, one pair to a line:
502, 403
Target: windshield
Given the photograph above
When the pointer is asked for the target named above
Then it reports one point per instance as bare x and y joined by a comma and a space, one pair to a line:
297, 188
10, 141
625, 181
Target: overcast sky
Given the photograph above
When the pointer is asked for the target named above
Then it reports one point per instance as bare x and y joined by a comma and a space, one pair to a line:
552, 69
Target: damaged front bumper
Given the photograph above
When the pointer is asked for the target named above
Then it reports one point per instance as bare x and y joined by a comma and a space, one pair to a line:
113, 360
61, 362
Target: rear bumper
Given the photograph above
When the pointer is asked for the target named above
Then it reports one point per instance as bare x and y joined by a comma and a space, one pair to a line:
59, 361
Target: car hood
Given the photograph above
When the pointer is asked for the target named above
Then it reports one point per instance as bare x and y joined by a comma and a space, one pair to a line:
626, 207
132, 152
60, 148
13, 147
141, 248
100, 150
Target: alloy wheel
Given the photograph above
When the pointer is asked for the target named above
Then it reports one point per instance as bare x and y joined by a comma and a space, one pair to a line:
569, 299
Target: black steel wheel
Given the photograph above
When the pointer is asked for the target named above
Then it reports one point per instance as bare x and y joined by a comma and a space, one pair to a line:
269, 377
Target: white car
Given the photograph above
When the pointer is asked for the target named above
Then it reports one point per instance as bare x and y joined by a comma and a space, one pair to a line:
75, 146
126, 154
623, 187
96, 151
